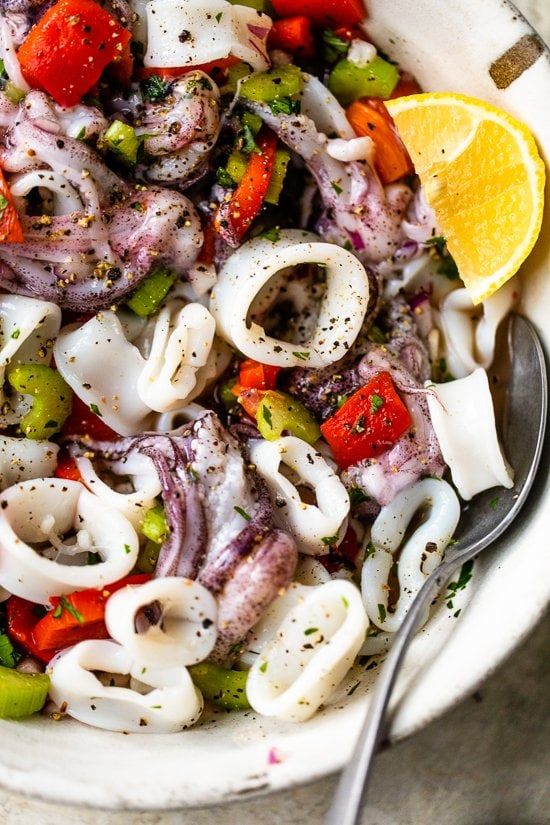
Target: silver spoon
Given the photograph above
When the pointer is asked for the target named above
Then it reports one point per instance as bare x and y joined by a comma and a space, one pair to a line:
483, 521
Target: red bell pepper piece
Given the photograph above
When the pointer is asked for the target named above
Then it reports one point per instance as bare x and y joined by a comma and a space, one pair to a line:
368, 423
22, 617
407, 86
82, 421
65, 53
323, 11
66, 468
292, 34
236, 215
11, 230
253, 375
369, 116
173, 72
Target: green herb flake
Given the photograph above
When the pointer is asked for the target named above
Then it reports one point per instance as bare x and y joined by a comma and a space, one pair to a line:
95, 409
127, 548
242, 513
224, 178
219, 16
376, 403
3, 203
247, 141
65, 604
285, 106
463, 579
15, 334
329, 540
272, 235
493, 504
302, 356
357, 496
81, 134
310, 631
370, 550
267, 416
381, 612
336, 186
334, 47
345, 602
263, 667
155, 88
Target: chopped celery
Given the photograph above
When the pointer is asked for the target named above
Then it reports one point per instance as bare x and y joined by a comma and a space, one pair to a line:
279, 412
14, 94
254, 122
155, 527
259, 5
52, 399
7, 653
221, 686
22, 694
151, 292
234, 74
236, 166
349, 81
148, 557
282, 158
265, 87
121, 139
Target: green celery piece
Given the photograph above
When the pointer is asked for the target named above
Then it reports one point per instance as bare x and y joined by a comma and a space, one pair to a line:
348, 81
22, 694
226, 688
14, 94
282, 159
254, 122
259, 5
148, 557
151, 292
52, 399
234, 74
278, 412
236, 166
265, 87
121, 139
155, 527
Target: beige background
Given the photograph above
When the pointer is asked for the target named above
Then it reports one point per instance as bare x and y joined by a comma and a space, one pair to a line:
485, 763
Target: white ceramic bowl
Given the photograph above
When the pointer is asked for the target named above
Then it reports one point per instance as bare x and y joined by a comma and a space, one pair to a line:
449, 46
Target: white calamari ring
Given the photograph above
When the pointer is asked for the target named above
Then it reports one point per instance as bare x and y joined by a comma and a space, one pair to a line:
144, 479
415, 563
172, 705
312, 651
314, 526
248, 270
186, 633
45, 510
23, 458
463, 418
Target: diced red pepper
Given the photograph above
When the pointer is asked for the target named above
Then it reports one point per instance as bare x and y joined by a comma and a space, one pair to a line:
65, 53
369, 116
236, 215
73, 618
11, 230
370, 421
249, 399
346, 552
66, 468
253, 375
82, 421
122, 70
22, 617
292, 34
323, 11
215, 67
407, 86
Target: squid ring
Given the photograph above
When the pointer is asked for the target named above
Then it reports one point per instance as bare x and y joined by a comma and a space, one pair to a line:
415, 564
172, 705
312, 651
251, 267
315, 527
44, 510
187, 632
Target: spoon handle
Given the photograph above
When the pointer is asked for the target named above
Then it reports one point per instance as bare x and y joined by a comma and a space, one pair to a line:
347, 802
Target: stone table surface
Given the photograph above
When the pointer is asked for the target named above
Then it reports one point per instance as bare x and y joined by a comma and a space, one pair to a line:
487, 762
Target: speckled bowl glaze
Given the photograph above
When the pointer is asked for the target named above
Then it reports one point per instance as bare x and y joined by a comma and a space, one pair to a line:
483, 49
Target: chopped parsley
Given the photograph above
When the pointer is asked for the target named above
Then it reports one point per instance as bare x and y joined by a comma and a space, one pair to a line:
247, 141
336, 186
345, 602
381, 612
224, 178
155, 88
357, 496
341, 400
310, 631
219, 16
266, 415
447, 266
127, 548
464, 577
334, 47
15, 334
302, 356
95, 409
370, 550
329, 540
376, 335
493, 504
263, 667
376, 403
65, 604
81, 134
3, 203
285, 106
242, 513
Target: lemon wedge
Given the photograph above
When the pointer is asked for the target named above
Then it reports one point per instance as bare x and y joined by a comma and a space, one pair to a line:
483, 177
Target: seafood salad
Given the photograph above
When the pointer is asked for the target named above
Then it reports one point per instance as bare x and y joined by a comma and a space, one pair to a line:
251, 279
